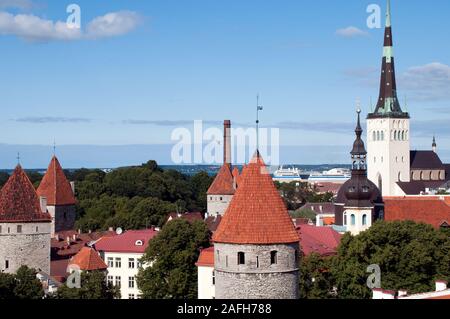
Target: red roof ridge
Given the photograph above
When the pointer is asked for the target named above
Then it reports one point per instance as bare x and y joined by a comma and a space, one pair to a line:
55, 186
257, 214
19, 201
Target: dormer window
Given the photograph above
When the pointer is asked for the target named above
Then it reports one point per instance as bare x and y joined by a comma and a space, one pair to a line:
139, 243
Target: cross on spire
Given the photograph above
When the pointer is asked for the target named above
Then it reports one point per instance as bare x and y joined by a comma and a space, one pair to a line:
18, 158
258, 109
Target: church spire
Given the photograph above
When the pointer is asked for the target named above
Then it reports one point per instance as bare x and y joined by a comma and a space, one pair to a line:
388, 104
358, 152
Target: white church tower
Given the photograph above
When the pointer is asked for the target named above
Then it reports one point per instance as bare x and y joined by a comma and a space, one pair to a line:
388, 128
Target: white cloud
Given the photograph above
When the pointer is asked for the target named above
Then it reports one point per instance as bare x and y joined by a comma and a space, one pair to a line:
33, 28
18, 4
113, 24
351, 32
427, 82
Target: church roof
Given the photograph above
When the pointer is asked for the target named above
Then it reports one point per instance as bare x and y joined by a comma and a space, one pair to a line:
433, 210
223, 183
416, 187
257, 213
19, 201
88, 259
426, 160
55, 186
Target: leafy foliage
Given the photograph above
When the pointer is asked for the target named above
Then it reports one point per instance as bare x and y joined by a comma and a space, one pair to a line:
93, 286
316, 280
22, 285
411, 256
297, 194
305, 213
172, 256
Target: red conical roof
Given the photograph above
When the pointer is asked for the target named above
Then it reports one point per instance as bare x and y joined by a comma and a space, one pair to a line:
19, 201
257, 213
55, 186
223, 183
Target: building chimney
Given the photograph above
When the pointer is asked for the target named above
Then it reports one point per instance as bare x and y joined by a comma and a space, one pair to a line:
74, 237
68, 240
72, 185
79, 231
43, 203
441, 285
227, 142
110, 229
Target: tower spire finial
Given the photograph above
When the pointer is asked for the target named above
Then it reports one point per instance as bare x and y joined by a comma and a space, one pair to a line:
54, 147
18, 158
258, 109
388, 14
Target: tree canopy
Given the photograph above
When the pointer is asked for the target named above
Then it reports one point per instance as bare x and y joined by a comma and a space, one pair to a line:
93, 286
172, 256
21, 285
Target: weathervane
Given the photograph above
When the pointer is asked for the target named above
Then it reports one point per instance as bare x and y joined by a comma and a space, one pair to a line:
18, 158
258, 109
54, 147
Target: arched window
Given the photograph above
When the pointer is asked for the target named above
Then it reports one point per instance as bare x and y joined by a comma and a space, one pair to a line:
380, 183
345, 219
273, 257
241, 258
374, 136
395, 135
378, 135
399, 176
353, 220
364, 220
382, 135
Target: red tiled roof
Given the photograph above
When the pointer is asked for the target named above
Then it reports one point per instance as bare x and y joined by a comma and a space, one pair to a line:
320, 240
62, 249
223, 183
88, 259
190, 217
55, 186
127, 242
206, 258
328, 187
257, 213
433, 210
58, 269
19, 201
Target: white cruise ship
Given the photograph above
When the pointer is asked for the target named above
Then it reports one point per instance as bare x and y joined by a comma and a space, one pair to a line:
336, 175
288, 175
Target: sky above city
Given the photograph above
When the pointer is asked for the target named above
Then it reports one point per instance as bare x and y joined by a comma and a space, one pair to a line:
138, 69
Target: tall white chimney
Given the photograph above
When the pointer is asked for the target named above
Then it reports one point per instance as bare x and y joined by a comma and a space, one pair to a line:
72, 185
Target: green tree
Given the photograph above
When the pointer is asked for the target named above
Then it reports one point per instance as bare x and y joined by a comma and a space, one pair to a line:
93, 286
200, 184
411, 256
27, 286
316, 280
305, 213
172, 256
7, 284
3, 178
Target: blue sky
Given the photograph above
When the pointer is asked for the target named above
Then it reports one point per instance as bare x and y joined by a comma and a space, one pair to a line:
149, 62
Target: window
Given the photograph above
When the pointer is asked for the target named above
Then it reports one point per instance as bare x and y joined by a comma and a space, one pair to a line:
118, 281
19, 229
213, 278
221, 198
226, 261
353, 220
374, 136
241, 258
37, 229
345, 219
382, 135
257, 262
131, 263
0, 229
364, 220
130, 282
110, 262
273, 257
118, 262
218, 256
6, 264
139, 264
131, 296
110, 280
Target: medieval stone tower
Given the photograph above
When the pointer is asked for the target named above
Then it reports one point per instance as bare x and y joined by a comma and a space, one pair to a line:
59, 193
256, 247
221, 192
388, 128
24, 226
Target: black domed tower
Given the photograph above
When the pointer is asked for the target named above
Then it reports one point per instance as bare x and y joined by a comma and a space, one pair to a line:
359, 202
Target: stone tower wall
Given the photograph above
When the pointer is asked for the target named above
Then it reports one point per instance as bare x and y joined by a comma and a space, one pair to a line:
30, 247
257, 278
